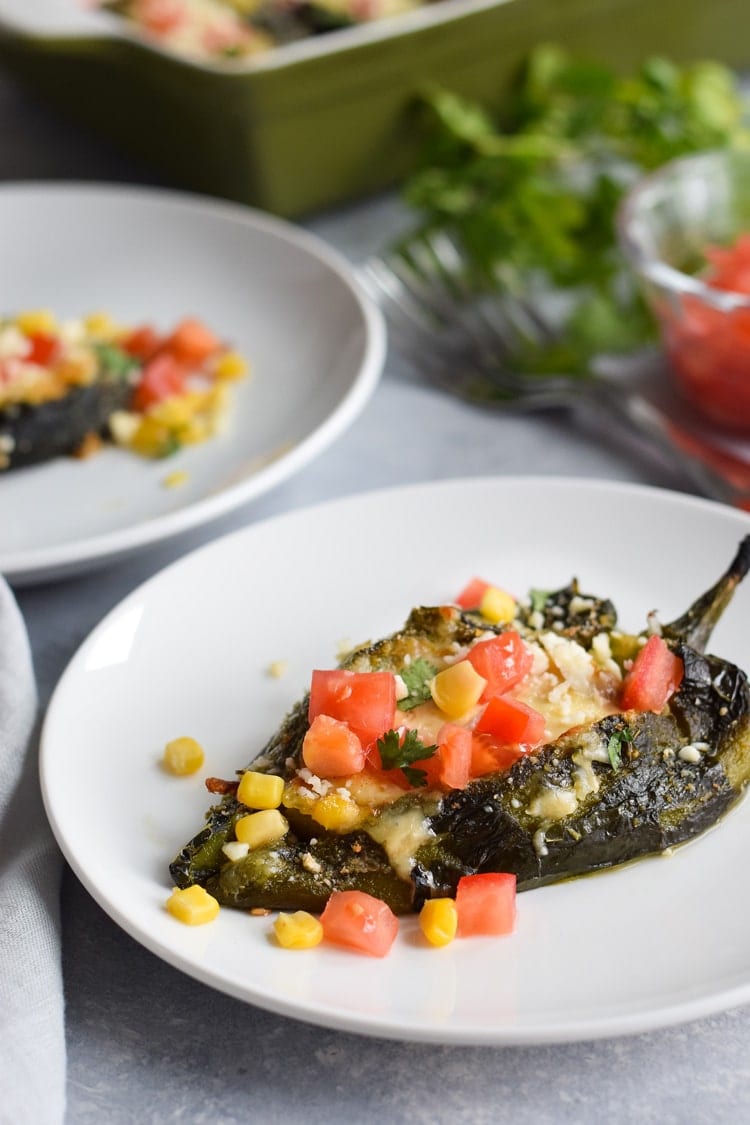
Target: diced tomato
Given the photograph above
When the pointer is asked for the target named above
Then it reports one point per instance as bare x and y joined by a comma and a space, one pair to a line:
160, 16
656, 674
486, 904
503, 661
708, 347
510, 721
161, 378
364, 700
331, 749
454, 756
488, 754
44, 349
192, 343
472, 593
143, 342
359, 921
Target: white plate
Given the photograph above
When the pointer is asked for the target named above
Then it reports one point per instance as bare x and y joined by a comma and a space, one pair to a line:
654, 943
290, 304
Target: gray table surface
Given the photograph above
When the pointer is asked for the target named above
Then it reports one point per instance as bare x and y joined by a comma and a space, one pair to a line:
147, 1043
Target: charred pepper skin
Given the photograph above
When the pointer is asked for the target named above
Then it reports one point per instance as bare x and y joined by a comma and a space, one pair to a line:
675, 775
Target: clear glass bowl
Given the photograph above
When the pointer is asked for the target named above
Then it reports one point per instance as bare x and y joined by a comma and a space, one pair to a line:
665, 225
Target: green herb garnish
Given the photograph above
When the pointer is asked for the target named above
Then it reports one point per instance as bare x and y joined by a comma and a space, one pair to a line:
417, 677
614, 746
114, 361
532, 200
396, 753
538, 600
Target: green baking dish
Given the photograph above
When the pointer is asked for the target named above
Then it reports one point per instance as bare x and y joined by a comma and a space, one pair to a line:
329, 119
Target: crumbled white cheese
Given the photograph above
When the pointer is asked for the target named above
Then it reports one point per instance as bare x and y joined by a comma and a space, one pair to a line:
691, 753
601, 650
13, 343
539, 844
318, 784
235, 850
311, 864
536, 619
401, 689
579, 604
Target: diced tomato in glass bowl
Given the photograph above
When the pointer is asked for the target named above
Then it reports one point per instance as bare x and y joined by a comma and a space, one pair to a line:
686, 231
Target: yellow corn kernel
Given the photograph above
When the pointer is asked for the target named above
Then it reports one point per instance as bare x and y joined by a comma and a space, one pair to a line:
260, 790
183, 756
192, 905
176, 479
175, 411
298, 931
37, 320
337, 813
102, 326
260, 828
230, 366
457, 689
498, 606
151, 438
438, 920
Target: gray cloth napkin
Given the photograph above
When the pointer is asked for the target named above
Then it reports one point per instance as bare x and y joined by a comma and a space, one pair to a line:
32, 1046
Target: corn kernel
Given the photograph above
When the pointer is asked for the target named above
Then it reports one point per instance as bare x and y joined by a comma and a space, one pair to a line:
260, 828
438, 920
37, 321
337, 813
176, 479
498, 606
457, 689
183, 756
298, 931
192, 905
230, 366
260, 790
102, 326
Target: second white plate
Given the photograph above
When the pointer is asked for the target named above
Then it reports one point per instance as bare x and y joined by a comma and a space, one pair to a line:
291, 305
650, 944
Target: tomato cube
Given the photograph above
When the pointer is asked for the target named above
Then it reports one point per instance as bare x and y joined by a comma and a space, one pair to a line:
359, 921
142, 343
44, 349
366, 701
656, 674
161, 378
486, 904
472, 593
331, 749
510, 721
489, 754
503, 661
454, 756
192, 343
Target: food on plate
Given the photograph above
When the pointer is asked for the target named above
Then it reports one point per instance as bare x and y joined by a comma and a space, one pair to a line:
66, 385
530, 199
458, 759
240, 29
709, 347
183, 756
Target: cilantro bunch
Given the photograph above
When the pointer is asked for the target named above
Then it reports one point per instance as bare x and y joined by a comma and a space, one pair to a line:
532, 201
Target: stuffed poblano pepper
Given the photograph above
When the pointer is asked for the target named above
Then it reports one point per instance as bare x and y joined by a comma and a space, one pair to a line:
533, 737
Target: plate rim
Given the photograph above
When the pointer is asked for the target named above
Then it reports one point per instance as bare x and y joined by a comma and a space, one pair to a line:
558, 1032
28, 566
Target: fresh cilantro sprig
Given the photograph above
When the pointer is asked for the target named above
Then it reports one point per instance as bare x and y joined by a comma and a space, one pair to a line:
397, 752
532, 200
416, 677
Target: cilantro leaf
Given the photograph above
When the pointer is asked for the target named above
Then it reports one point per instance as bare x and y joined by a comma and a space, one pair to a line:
614, 746
114, 361
416, 676
538, 599
396, 753
531, 199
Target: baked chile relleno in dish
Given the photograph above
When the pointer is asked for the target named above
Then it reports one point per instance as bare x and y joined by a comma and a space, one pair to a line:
65, 385
545, 743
